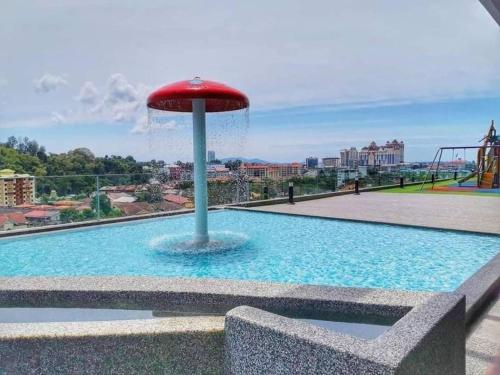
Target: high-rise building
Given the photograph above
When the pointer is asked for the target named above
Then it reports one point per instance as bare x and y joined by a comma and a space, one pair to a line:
311, 162
392, 153
349, 158
331, 162
273, 171
210, 156
15, 189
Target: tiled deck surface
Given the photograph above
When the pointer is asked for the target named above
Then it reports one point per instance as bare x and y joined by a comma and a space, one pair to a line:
483, 344
460, 212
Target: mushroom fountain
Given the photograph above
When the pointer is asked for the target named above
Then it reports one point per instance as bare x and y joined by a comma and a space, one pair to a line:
198, 96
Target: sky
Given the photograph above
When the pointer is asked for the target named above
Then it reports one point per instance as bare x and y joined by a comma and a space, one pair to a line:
320, 75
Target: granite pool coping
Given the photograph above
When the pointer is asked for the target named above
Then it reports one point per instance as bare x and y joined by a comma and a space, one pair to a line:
428, 329
152, 346
112, 327
481, 288
207, 295
417, 318
219, 295
429, 339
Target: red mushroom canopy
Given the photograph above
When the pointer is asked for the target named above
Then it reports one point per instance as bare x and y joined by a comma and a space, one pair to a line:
178, 96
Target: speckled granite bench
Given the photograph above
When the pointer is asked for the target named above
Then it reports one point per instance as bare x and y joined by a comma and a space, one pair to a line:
427, 335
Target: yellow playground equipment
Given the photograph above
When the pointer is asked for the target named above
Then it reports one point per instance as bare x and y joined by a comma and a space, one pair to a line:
486, 171
488, 161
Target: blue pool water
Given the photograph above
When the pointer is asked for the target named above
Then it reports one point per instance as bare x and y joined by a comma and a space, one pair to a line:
264, 246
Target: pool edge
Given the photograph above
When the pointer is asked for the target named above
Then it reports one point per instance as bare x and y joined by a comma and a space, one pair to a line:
364, 221
422, 329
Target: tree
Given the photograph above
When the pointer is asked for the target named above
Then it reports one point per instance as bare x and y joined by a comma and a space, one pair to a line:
143, 196
11, 142
27, 156
21, 163
70, 215
155, 193
104, 204
88, 214
233, 165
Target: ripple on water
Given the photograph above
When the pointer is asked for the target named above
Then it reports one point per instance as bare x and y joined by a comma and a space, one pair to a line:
183, 244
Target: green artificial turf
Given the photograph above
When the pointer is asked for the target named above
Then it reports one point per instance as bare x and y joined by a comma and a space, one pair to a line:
415, 188
425, 190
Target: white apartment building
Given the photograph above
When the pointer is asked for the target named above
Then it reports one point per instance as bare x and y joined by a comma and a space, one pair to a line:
349, 158
390, 154
331, 162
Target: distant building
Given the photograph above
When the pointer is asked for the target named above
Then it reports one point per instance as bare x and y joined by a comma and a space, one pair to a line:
121, 197
12, 220
15, 189
392, 153
257, 170
331, 162
177, 199
273, 171
349, 158
311, 162
289, 169
217, 171
134, 208
174, 171
123, 189
210, 156
39, 217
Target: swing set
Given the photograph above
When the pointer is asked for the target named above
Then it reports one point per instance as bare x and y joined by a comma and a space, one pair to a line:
487, 166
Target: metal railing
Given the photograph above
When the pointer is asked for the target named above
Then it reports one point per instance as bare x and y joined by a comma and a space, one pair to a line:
75, 198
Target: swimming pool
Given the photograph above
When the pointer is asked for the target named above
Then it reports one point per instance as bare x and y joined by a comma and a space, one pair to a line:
270, 247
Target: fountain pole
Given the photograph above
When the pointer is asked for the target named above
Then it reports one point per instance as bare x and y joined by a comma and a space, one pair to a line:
198, 96
200, 171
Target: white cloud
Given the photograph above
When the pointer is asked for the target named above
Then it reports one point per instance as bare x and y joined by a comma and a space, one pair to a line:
48, 83
119, 101
88, 94
123, 101
335, 52
120, 91
282, 53
58, 118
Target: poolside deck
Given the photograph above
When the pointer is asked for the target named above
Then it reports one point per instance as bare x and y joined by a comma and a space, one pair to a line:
458, 212
483, 343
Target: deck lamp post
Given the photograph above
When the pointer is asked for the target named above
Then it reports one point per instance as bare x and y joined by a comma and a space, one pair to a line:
290, 193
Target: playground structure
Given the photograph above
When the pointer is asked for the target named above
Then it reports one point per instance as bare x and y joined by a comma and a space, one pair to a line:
486, 173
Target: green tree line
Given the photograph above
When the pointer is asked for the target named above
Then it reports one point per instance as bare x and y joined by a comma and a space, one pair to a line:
27, 156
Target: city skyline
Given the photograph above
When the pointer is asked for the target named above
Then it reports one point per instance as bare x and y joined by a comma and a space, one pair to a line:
320, 91
325, 142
